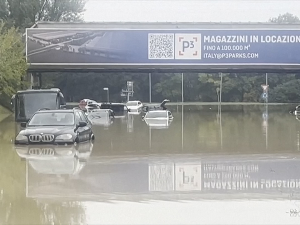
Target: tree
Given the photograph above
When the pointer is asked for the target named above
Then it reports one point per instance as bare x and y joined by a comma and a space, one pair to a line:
285, 18
25, 13
12, 63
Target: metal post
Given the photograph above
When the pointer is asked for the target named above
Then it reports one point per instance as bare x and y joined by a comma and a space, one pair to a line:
182, 99
267, 88
150, 88
221, 84
221, 127
107, 89
40, 81
107, 95
182, 139
31, 80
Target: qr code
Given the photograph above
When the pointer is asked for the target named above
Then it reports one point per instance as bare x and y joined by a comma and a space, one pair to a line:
161, 46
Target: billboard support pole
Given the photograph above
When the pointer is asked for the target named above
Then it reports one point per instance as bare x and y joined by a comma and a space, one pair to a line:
150, 88
221, 84
182, 99
267, 88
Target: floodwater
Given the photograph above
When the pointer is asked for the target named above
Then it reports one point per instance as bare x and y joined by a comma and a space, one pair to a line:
235, 165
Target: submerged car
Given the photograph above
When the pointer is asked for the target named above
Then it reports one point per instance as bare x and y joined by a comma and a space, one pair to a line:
152, 107
158, 119
134, 105
66, 126
102, 117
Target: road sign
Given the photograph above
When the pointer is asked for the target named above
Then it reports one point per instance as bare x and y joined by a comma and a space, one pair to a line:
265, 87
264, 95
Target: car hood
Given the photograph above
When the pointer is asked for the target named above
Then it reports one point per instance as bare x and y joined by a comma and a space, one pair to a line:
48, 130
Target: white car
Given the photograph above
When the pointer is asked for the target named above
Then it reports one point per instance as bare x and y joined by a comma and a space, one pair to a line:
158, 119
134, 105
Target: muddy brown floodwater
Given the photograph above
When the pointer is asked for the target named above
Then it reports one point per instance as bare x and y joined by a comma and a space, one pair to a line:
234, 165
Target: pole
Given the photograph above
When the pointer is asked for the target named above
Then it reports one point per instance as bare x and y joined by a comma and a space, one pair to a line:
182, 138
107, 95
221, 84
182, 99
150, 88
267, 88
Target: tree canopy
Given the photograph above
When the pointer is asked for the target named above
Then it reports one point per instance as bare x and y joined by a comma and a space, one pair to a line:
12, 63
25, 13
285, 18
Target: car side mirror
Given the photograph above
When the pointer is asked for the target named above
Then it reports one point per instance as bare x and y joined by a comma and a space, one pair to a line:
23, 125
82, 124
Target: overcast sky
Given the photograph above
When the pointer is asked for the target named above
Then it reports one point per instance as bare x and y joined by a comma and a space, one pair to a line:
188, 10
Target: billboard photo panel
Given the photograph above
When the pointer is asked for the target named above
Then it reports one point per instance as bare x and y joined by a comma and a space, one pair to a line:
162, 47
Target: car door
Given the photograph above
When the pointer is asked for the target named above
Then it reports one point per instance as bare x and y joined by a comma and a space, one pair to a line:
87, 130
79, 130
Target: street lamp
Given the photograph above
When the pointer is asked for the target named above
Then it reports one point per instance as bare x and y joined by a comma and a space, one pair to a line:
107, 89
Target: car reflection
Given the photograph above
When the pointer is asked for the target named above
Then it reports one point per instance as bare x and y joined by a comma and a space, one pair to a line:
176, 178
135, 112
56, 159
158, 119
158, 124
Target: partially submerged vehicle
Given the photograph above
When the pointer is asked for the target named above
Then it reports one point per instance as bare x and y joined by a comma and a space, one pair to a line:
296, 111
158, 119
134, 105
25, 103
67, 126
152, 107
102, 117
119, 109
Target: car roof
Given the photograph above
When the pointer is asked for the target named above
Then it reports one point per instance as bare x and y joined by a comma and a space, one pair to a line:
58, 110
52, 90
153, 111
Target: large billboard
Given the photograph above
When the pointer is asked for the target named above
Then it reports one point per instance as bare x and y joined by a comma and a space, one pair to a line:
156, 48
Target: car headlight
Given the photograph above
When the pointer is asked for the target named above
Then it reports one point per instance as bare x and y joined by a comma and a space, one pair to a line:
21, 138
64, 137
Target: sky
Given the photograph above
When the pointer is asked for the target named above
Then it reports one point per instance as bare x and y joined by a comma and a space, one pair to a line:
188, 10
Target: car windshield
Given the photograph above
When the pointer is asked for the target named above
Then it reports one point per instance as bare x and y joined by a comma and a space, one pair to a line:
154, 114
52, 119
131, 103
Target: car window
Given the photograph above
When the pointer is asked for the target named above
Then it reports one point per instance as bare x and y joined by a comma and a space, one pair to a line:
52, 119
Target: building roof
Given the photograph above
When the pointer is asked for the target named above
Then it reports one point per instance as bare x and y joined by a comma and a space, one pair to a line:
166, 25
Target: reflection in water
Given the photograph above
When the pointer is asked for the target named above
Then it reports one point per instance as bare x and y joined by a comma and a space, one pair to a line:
207, 153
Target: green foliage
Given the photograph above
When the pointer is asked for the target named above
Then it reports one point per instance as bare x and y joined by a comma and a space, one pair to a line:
285, 18
12, 63
286, 92
24, 13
